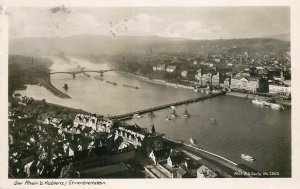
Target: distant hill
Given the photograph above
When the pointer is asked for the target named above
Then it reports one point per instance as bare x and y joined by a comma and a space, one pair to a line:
98, 44
282, 37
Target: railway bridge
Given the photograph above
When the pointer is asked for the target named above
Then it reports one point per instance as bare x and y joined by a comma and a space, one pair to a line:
83, 71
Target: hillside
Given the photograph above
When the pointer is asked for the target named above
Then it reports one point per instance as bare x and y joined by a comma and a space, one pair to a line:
23, 70
97, 44
282, 37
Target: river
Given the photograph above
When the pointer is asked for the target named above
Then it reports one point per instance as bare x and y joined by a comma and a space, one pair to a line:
240, 126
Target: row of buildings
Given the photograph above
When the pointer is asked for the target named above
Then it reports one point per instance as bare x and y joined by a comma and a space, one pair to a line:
172, 163
92, 143
241, 81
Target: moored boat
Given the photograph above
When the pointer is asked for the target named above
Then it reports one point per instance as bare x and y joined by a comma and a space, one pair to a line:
151, 114
174, 114
269, 103
276, 106
137, 115
193, 141
212, 120
247, 157
66, 87
186, 114
168, 119
256, 101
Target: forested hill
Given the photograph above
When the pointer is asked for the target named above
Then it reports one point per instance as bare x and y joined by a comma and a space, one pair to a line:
98, 44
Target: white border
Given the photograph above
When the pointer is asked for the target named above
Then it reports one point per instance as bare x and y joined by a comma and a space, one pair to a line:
162, 183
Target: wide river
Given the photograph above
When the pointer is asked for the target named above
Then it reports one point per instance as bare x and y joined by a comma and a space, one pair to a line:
240, 126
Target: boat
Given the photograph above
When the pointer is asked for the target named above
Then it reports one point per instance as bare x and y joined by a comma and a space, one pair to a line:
256, 101
131, 86
174, 114
173, 107
276, 106
212, 120
193, 141
168, 119
186, 114
137, 115
247, 157
151, 114
66, 87
269, 103
110, 82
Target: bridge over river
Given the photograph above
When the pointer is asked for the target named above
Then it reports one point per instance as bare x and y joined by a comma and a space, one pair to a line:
129, 115
83, 71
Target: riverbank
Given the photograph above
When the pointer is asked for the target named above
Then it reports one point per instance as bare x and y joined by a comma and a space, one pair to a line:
225, 167
48, 85
253, 96
158, 81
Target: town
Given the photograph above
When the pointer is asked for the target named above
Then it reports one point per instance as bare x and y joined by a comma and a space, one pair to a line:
94, 146
266, 73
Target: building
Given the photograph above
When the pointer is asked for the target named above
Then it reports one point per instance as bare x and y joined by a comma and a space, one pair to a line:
205, 172
279, 89
86, 120
249, 84
174, 166
159, 67
53, 121
100, 124
208, 77
171, 69
102, 156
215, 79
189, 75
158, 155
140, 137
263, 85
226, 83
132, 134
105, 125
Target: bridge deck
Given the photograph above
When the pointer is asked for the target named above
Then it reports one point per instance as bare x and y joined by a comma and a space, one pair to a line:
82, 71
128, 115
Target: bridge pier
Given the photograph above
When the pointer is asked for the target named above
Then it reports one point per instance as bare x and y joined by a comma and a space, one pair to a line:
101, 73
73, 75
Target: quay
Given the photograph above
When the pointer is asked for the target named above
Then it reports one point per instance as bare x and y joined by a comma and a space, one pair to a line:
45, 82
226, 168
129, 115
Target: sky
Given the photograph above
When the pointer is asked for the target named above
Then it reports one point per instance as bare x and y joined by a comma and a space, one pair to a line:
187, 22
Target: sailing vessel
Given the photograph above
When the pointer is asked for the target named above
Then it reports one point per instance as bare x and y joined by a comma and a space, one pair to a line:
66, 87
174, 114
151, 114
186, 114
193, 141
168, 118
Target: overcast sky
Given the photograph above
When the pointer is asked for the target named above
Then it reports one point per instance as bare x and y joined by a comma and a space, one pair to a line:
193, 22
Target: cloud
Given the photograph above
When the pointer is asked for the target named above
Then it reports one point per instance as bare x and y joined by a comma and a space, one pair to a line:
200, 23
42, 23
144, 24
191, 29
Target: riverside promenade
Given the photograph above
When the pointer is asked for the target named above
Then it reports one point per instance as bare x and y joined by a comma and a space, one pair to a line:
225, 167
129, 115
